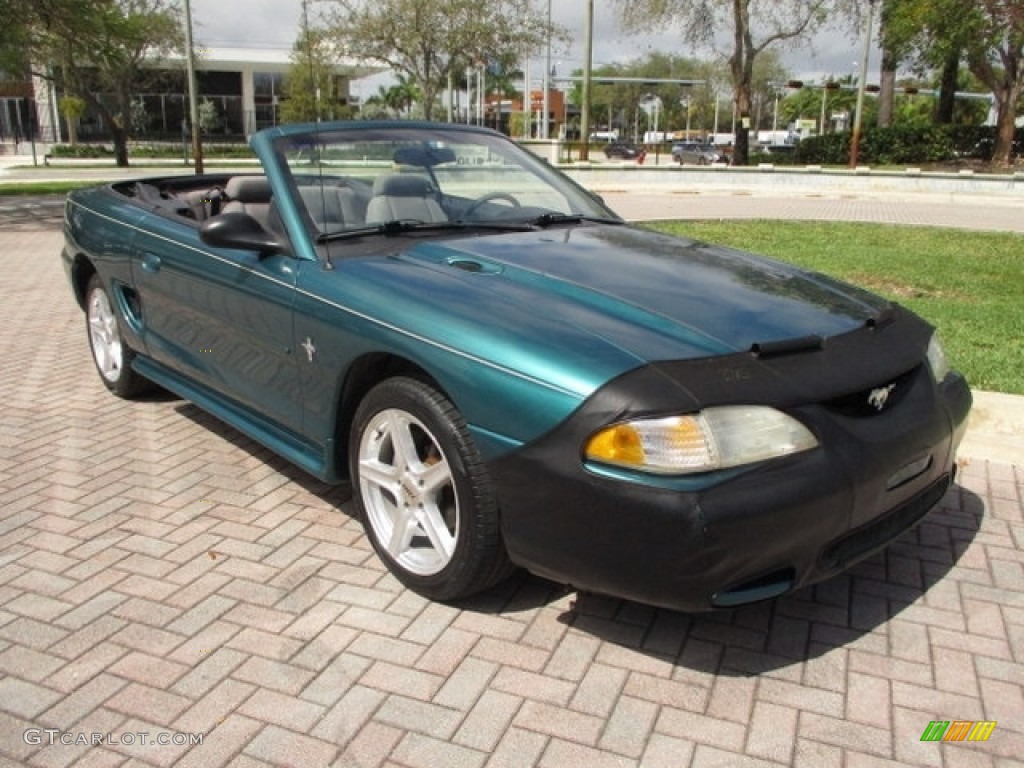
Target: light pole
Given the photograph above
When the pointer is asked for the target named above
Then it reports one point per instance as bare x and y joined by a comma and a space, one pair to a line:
527, 102
193, 106
588, 65
821, 120
546, 129
861, 85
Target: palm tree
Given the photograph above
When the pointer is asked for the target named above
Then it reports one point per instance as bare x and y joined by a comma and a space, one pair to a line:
402, 96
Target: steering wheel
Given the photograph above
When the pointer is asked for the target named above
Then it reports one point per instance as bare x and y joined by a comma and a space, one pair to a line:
471, 209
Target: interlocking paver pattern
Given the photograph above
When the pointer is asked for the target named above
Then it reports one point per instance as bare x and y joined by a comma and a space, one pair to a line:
161, 573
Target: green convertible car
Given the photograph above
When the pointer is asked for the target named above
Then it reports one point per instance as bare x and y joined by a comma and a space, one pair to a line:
510, 375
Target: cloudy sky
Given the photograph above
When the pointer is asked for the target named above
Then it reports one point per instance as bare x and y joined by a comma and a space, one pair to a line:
274, 23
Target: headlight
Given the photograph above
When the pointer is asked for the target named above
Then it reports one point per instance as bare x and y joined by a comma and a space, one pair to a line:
715, 438
937, 358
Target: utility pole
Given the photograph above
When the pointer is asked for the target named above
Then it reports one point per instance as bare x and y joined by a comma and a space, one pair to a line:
546, 130
588, 65
193, 105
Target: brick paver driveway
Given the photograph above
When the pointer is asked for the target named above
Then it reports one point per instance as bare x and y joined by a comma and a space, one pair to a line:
162, 577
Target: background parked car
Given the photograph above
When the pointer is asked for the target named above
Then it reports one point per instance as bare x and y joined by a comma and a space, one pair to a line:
695, 153
624, 150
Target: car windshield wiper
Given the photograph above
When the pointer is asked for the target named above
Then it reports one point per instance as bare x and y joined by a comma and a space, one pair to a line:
556, 217
401, 226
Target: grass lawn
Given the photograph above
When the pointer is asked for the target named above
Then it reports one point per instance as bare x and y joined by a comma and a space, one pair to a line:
42, 187
970, 285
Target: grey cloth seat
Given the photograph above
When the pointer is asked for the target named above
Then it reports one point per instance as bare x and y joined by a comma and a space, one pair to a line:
403, 196
331, 207
249, 194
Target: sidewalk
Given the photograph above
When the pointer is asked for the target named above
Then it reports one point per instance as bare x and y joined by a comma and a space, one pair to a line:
995, 429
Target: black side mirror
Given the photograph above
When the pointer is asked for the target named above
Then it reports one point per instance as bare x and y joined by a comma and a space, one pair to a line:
240, 230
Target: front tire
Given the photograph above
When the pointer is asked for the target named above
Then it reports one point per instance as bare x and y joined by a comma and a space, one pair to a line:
426, 502
113, 358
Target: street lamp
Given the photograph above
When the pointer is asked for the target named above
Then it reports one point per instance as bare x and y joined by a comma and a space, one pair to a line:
588, 65
651, 104
546, 129
193, 106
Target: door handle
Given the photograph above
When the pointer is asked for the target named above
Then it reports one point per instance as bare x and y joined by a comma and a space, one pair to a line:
151, 262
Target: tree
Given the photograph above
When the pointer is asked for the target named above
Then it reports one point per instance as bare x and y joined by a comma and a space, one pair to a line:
13, 35
393, 100
753, 26
100, 48
72, 108
429, 41
892, 55
375, 107
995, 56
617, 105
913, 31
504, 74
989, 34
403, 95
819, 100
209, 119
308, 85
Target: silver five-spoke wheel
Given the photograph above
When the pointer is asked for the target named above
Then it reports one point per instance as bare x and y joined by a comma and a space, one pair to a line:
424, 495
113, 358
104, 335
407, 488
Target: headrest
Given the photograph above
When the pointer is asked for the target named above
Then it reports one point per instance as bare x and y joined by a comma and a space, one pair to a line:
248, 189
403, 185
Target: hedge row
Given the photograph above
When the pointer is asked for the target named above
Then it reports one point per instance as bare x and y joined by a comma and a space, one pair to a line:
903, 145
900, 145
99, 151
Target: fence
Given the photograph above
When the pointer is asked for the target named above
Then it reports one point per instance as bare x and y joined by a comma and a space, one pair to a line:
154, 117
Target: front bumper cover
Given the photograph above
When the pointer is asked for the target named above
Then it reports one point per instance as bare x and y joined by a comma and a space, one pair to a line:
734, 537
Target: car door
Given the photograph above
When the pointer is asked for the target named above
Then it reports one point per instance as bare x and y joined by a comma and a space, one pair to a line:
222, 318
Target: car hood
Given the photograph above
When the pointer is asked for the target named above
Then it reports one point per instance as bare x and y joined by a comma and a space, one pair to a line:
596, 300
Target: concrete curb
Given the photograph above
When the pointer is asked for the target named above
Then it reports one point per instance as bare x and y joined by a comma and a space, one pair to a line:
995, 429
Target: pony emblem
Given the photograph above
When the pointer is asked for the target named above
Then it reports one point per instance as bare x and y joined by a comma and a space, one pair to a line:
880, 396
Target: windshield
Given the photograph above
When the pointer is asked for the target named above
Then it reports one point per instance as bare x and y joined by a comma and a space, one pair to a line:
354, 178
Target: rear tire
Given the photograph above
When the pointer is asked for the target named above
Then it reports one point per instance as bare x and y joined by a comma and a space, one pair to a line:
112, 357
423, 493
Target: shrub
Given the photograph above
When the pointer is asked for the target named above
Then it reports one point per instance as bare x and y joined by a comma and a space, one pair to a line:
903, 145
81, 151
149, 151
